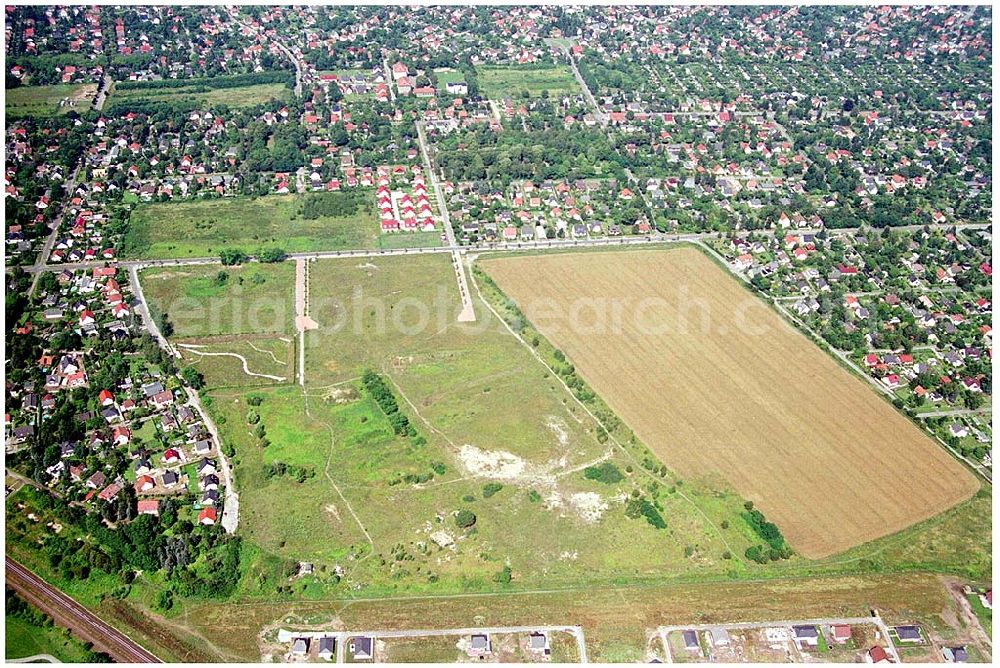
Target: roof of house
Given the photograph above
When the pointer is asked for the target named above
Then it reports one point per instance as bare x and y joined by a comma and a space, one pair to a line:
878, 654
805, 631
148, 506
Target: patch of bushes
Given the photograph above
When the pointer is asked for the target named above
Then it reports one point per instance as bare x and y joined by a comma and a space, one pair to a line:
605, 472
334, 205
386, 400
491, 488
465, 519
279, 469
640, 507
776, 548
768, 531
271, 255
232, 256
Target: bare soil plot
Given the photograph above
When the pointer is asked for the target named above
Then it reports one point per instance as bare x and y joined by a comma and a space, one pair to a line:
717, 384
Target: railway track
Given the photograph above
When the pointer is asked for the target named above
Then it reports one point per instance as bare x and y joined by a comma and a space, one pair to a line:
67, 612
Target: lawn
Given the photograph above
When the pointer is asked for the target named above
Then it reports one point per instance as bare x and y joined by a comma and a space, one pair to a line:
203, 228
48, 100
447, 75
410, 239
250, 299
241, 96
719, 386
497, 82
23, 639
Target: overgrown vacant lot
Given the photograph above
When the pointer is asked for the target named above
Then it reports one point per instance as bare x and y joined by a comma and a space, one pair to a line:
205, 301
203, 228
48, 100
240, 96
498, 82
487, 411
737, 392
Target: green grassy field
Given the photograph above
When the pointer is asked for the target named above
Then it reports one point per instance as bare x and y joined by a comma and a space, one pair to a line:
23, 639
203, 228
410, 240
498, 82
269, 360
45, 100
253, 299
446, 76
241, 96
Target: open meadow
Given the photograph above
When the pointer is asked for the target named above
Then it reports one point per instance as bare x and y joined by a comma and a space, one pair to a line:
238, 96
721, 388
240, 360
500, 81
48, 100
213, 300
493, 434
202, 228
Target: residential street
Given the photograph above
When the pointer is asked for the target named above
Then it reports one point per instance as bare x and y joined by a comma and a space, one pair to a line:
468, 313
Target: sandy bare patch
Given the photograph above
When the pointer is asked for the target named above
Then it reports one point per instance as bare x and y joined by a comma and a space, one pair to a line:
588, 505
558, 427
340, 395
332, 509
496, 464
553, 500
442, 538
367, 266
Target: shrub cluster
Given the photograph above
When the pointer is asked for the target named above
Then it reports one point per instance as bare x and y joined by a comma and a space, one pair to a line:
385, 399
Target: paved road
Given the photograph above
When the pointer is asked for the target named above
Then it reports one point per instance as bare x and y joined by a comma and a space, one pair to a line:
36, 658
956, 411
43, 257
587, 95
67, 612
468, 313
550, 244
143, 309
102, 92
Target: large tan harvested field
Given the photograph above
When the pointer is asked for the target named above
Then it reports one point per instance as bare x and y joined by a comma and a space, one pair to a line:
716, 382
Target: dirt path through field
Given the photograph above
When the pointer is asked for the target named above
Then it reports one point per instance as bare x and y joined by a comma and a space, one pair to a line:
191, 348
968, 616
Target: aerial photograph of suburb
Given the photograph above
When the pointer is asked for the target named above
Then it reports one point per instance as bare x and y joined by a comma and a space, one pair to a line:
498, 333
